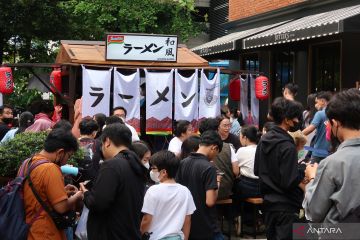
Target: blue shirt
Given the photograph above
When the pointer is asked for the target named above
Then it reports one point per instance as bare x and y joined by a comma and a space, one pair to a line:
320, 137
9, 135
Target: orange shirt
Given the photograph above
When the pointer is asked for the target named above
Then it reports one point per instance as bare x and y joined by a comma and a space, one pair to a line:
49, 184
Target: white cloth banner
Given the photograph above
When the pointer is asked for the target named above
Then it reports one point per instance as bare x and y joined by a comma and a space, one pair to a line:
254, 102
159, 94
244, 104
209, 105
126, 94
186, 97
96, 92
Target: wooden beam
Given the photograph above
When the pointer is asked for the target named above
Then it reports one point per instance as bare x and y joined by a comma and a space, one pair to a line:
72, 91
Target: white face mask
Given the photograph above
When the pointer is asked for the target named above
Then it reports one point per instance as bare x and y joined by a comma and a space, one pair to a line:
154, 176
147, 165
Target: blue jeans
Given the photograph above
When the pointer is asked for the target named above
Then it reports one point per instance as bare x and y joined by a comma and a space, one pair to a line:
69, 232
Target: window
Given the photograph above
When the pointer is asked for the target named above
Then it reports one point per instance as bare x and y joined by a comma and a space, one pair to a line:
284, 65
326, 68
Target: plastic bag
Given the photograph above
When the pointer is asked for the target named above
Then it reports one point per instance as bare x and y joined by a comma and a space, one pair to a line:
81, 231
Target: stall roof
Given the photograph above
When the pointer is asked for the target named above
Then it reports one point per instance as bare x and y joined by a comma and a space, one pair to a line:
93, 53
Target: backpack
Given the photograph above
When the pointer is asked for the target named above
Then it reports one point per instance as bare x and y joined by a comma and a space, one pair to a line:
12, 211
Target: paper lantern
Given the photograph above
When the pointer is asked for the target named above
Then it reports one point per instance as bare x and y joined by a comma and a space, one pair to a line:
55, 80
262, 88
234, 89
6, 80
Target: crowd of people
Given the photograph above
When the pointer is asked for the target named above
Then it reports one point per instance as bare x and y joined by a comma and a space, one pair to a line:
303, 164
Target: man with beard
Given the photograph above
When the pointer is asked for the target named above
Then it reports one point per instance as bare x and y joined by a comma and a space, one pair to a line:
6, 118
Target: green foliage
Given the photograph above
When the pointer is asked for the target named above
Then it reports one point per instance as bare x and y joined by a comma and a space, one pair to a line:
23, 146
91, 19
28, 26
22, 96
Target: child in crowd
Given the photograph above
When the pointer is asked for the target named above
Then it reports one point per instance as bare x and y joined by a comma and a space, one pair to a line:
167, 206
300, 142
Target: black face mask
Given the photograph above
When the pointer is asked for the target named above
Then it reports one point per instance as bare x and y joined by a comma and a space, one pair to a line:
296, 127
7, 120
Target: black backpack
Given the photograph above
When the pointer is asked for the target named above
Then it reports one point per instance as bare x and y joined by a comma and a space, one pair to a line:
12, 211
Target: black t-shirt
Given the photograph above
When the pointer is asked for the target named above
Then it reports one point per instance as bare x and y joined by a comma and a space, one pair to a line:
234, 140
199, 175
116, 199
3, 130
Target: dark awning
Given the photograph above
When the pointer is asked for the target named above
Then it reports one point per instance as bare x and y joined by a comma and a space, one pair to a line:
229, 42
312, 26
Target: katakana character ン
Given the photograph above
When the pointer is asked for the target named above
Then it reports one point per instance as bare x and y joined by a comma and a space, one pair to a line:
187, 102
161, 96
169, 52
157, 49
99, 95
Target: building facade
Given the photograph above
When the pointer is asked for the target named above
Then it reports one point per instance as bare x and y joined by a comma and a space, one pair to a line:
313, 43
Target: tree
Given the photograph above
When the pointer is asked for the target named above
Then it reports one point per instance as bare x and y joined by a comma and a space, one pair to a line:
91, 19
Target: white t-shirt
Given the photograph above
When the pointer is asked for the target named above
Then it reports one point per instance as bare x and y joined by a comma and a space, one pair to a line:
246, 158
168, 203
233, 155
134, 135
175, 145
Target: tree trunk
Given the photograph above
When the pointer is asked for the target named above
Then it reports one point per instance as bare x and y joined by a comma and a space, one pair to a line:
1, 50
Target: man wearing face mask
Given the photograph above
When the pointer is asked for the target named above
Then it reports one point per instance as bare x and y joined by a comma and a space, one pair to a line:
276, 164
48, 181
116, 198
333, 193
6, 118
321, 145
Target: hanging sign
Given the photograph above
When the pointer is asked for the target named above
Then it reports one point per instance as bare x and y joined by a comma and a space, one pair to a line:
126, 94
96, 92
186, 98
159, 97
141, 47
209, 103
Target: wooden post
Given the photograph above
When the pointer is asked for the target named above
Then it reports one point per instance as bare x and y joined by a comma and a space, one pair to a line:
72, 91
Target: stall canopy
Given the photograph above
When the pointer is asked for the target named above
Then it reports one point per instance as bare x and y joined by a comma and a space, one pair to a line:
229, 42
93, 53
312, 26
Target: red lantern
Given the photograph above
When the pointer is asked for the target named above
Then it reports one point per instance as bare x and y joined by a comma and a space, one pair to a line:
234, 89
6, 80
262, 88
55, 80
